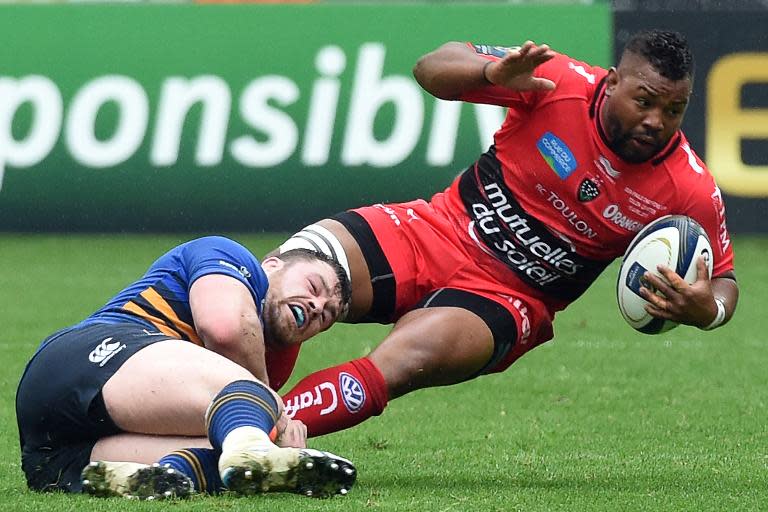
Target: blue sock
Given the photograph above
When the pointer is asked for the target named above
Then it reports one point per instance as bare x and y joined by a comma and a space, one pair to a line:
243, 403
199, 464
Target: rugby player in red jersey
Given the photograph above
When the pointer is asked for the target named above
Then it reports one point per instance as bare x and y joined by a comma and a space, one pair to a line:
473, 277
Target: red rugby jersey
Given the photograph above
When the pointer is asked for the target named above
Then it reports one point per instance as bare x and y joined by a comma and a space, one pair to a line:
553, 202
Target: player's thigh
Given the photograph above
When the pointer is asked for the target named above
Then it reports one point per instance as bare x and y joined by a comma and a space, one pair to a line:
340, 242
143, 448
433, 347
59, 406
360, 274
166, 388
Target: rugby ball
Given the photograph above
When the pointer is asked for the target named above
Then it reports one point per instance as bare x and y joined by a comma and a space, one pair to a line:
675, 241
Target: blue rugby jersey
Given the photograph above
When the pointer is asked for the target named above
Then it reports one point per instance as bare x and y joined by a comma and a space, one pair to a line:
160, 299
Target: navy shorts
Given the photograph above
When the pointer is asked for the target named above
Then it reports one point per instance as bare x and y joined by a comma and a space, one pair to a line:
59, 407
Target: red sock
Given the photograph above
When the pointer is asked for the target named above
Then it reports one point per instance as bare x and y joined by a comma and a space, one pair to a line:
337, 398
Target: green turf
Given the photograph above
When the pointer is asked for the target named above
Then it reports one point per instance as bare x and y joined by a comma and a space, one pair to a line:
601, 418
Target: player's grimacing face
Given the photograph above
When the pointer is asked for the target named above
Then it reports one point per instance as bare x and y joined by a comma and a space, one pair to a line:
642, 110
303, 299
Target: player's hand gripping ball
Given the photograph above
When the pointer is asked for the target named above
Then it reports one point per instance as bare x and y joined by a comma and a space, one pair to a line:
676, 241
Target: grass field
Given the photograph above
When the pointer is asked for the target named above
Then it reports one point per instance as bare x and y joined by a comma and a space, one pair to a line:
601, 418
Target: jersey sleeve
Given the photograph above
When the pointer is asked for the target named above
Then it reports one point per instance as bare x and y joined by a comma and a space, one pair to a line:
220, 255
704, 203
557, 69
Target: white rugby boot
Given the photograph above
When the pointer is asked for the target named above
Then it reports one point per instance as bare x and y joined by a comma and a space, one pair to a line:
269, 468
135, 481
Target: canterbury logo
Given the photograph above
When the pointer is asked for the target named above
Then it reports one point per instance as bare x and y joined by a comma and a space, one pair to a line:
105, 351
352, 392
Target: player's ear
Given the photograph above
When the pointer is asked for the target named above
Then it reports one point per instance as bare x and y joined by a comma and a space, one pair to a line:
611, 81
272, 264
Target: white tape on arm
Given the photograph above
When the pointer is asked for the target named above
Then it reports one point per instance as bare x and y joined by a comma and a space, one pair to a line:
719, 317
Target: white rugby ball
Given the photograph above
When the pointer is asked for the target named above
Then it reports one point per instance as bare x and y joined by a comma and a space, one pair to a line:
675, 241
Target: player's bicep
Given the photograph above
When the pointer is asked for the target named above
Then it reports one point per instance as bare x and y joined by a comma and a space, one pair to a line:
222, 308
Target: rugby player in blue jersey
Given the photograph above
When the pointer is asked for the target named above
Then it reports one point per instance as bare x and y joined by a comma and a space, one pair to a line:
165, 390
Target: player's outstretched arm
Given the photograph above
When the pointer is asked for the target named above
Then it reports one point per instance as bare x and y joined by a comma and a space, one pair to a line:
227, 321
454, 68
705, 304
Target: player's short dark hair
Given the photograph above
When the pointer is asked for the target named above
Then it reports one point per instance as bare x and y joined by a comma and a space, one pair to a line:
667, 52
344, 286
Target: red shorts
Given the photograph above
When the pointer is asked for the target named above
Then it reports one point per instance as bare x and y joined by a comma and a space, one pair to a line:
428, 252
